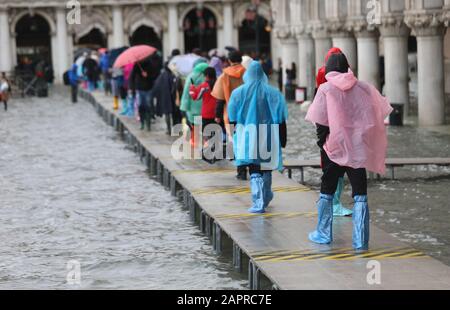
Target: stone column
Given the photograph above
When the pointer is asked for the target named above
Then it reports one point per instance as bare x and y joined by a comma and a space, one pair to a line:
118, 34
289, 49
228, 24
55, 48
395, 35
6, 61
368, 57
322, 43
289, 52
61, 39
306, 63
346, 42
430, 61
13, 49
173, 27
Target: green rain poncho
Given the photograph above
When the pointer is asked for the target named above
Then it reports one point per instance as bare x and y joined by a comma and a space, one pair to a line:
193, 108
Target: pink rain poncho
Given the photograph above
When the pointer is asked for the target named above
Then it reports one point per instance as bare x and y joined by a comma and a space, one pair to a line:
355, 112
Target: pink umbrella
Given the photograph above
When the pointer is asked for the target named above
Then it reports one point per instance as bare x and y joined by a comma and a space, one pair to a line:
134, 54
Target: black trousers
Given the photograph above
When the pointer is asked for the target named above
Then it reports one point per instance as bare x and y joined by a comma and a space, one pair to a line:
74, 93
332, 172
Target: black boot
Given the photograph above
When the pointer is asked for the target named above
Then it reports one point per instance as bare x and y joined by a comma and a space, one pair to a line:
242, 173
148, 121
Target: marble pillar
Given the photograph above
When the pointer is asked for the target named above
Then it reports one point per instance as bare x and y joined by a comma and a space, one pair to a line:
6, 61
430, 61
395, 37
118, 32
62, 43
306, 63
368, 57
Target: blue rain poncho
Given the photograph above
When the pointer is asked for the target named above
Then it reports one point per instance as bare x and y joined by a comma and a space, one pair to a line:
257, 109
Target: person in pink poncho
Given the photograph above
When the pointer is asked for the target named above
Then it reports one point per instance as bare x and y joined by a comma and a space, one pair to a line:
349, 115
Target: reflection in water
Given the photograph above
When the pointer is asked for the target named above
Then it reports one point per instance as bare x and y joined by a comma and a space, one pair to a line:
70, 190
414, 208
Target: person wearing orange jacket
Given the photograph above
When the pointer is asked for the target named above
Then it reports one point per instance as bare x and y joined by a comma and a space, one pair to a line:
338, 208
231, 78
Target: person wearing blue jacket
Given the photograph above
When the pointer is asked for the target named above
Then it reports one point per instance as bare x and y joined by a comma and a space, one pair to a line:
74, 81
104, 66
259, 113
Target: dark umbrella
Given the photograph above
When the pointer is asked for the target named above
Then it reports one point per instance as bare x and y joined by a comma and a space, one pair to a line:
114, 54
231, 49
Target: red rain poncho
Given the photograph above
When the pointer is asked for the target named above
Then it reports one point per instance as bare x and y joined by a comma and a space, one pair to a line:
355, 112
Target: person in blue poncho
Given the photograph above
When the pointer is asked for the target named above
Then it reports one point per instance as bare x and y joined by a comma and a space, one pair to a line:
259, 113
104, 66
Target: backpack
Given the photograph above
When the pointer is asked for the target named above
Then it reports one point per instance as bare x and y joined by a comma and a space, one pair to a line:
66, 78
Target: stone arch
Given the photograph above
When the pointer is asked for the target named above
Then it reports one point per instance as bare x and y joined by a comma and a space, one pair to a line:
91, 19
200, 31
138, 17
264, 10
217, 14
247, 34
41, 13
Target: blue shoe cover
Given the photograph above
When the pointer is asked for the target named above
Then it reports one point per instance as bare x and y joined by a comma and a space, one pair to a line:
361, 219
125, 108
130, 107
324, 231
338, 208
257, 188
268, 194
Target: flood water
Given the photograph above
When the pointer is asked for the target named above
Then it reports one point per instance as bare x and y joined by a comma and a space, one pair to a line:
71, 190
415, 207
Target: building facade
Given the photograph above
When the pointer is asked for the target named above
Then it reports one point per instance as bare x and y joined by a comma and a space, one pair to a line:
42, 27
400, 46
400, 32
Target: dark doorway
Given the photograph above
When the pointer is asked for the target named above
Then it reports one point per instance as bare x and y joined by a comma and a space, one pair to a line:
147, 36
412, 44
200, 30
33, 39
95, 39
254, 34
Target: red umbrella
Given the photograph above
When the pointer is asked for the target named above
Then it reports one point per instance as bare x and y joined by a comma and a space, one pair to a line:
134, 54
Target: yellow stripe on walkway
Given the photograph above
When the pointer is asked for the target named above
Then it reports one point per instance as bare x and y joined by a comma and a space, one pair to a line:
265, 215
203, 171
246, 190
344, 254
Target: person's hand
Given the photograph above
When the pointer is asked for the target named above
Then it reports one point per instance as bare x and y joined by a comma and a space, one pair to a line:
144, 74
218, 120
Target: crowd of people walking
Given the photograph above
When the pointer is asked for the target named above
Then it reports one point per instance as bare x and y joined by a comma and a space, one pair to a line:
234, 94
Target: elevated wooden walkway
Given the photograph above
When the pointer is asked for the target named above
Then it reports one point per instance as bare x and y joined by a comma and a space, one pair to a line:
275, 245
391, 163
